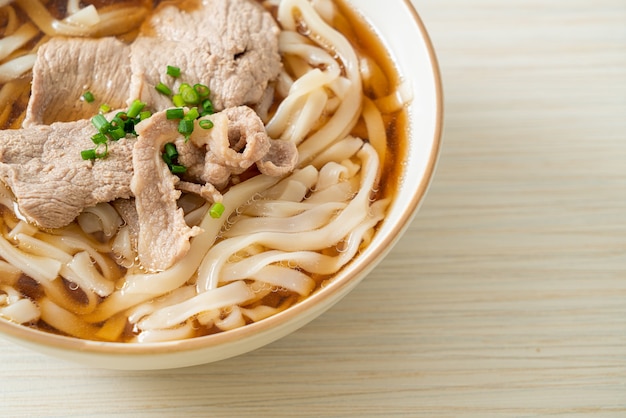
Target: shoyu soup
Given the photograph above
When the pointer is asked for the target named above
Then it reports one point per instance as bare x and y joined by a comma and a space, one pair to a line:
194, 167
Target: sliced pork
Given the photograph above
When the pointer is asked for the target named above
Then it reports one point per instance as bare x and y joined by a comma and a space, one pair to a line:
229, 45
163, 234
67, 68
43, 168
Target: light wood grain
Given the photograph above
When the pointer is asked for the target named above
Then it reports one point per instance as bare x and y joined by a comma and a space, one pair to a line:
506, 296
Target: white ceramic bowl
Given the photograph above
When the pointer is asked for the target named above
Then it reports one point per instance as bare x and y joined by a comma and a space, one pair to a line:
404, 35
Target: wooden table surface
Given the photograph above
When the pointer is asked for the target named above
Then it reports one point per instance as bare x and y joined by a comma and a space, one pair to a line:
507, 294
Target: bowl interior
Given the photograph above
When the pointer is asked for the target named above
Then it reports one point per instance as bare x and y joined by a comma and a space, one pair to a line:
404, 36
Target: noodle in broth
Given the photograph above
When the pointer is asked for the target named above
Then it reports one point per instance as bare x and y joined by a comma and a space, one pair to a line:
279, 240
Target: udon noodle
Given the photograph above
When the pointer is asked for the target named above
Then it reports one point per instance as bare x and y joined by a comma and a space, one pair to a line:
280, 239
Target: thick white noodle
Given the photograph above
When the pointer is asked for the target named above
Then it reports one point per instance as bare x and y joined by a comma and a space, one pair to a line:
41, 248
156, 335
87, 16
335, 43
86, 22
177, 296
21, 311
39, 268
354, 213
73, 6
64, 320
228, 295
82, 271
233, 320
14, 68
100, 218
278, 209
313, 218
18, 39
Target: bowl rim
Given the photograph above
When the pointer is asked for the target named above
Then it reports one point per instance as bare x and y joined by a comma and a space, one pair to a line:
344, 281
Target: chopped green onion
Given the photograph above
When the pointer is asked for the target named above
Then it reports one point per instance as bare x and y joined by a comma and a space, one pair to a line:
173, 71
177, 169
88, 97
202, 90
101, 123
175, 113
189, 95
105, 108
205, 124
207, 108
103, 153
129, 126
99, 138
185, 127
145, 115
170, 150
192, 114
117, 133
163, 89
134, 109
119, 119
88, 154
92, 154
216, 210
178, 100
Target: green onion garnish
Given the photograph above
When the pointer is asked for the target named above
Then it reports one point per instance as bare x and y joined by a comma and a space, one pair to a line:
216, 210
163, 89
175, 113
207, 108
177, 169
117, 133
202, 90
88, 97
170, 151
88, 154
116, 130
205, 124
170, 156
92, 154
178, 100
101, 123
134, 109
104, 152
192, 114
190, 96
99, 138
173, 71
185, 127
144, 115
